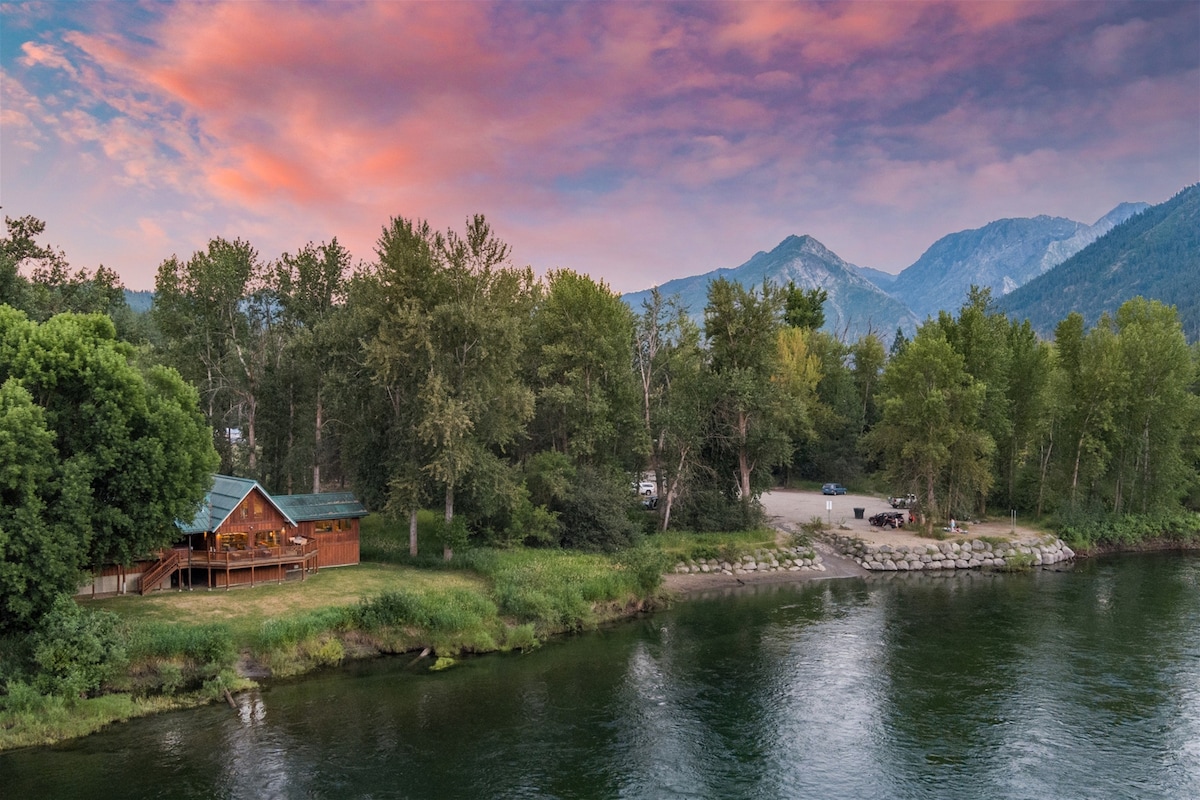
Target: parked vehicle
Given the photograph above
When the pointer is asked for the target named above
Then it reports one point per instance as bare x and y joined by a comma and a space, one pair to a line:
903, 501
833, 488
888, 519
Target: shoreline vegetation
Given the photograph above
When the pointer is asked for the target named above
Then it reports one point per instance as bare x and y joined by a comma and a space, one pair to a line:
184, 649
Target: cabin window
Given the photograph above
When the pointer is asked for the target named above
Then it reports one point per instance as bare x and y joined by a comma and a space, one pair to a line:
231, 541
323, 526
253, 507
266, 538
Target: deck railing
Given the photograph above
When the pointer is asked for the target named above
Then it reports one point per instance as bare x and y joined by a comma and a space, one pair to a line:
274, 554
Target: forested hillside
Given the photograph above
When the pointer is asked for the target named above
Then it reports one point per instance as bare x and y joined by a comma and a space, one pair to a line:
523, 409
1155, 254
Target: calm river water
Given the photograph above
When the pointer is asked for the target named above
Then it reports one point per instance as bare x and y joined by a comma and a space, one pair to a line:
1076, 684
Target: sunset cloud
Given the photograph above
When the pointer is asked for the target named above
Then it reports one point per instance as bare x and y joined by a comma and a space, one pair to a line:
642, 141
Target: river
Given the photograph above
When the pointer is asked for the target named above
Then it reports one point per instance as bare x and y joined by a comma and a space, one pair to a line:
1081, 683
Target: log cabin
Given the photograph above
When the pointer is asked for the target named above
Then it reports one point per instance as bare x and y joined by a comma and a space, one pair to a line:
242, 536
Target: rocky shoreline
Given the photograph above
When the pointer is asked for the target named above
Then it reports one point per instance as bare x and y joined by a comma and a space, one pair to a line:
968, 554
784, 559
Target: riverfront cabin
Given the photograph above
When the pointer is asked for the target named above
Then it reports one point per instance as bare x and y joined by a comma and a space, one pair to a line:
241, 535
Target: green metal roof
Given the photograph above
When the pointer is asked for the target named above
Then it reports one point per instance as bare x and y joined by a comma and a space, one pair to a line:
327, 505
224, 496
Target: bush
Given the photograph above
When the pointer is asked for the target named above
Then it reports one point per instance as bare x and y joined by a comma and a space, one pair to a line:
711, 510
75, 650
646, 566
595, 514
1090, 528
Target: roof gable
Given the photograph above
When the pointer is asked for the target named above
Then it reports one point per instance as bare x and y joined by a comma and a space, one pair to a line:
226, 494
327, 505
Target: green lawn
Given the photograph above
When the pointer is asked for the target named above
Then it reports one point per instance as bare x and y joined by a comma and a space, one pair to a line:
244, 610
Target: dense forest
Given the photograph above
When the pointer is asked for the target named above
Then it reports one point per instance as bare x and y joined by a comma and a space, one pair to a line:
440, 375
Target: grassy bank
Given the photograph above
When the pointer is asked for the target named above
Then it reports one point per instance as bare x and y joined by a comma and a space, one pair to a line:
180, 648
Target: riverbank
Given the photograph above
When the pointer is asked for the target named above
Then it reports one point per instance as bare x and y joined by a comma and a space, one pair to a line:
178, 649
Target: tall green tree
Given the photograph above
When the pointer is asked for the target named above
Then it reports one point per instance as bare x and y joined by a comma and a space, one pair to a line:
676, 397
38, 279
311, 288
832, 452
218, 316
742, 331
930, 437
450, 345
1155, 410
804, 309
582, 334
1091, 375
981, 335
40, 556
107, 456
1025, 448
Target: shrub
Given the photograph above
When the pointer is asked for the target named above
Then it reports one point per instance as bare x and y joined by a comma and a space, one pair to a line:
645, 565
708, 509
521, 637
1096, 527
75, 650
594, 515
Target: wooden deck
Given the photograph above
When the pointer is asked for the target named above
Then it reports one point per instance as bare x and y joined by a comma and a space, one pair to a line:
234, 567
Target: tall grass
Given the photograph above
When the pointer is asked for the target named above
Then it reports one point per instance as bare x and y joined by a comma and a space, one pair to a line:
683, 545
210, 643
557, 590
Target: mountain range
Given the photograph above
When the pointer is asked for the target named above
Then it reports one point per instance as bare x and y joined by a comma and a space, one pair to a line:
1154, 248
854, 306
1155, 254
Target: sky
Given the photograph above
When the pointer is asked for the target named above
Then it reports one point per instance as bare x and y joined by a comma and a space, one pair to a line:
634, 142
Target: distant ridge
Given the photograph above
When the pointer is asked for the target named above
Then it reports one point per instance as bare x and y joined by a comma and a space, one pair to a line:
1002, 255
855, 305
1154, 254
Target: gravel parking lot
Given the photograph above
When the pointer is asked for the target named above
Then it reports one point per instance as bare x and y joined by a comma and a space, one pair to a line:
789, 508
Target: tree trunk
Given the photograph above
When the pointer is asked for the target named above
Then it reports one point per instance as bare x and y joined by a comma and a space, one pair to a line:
447, 550
412, 532
316, 467
744, 467
673, 491
1047, 452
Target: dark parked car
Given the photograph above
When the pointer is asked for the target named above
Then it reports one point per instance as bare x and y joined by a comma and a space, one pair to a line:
833, 488
888, 519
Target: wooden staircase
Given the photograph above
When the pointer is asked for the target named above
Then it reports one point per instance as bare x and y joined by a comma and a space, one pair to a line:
166, 565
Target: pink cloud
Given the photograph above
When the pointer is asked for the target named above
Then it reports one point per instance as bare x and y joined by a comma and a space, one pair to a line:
597, 128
